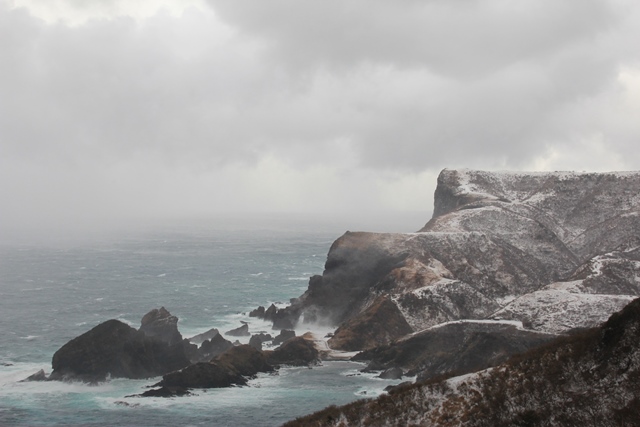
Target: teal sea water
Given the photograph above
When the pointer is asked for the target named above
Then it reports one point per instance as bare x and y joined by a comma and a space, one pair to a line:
208, 276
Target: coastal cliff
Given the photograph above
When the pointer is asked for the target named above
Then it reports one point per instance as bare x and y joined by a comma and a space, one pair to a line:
541, 253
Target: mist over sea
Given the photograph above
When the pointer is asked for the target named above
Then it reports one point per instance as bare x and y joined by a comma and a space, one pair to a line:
208, 275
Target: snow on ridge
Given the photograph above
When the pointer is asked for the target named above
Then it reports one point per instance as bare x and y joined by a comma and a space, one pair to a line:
495, 185
440, 285
568, 174
516, 323
560, 307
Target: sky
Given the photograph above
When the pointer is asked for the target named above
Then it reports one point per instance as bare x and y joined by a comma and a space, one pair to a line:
146, 110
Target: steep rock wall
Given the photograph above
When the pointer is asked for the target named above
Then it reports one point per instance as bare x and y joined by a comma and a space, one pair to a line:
500, 245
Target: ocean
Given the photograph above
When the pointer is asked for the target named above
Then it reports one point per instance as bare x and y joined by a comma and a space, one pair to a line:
208, 275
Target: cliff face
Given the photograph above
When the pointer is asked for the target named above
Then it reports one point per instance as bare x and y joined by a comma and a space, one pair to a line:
589, 378
555, 251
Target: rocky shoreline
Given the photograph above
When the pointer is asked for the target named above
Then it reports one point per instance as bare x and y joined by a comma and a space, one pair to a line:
113, 349
509, 262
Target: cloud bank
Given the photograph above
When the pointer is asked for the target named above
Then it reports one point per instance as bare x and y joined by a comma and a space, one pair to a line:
179, 108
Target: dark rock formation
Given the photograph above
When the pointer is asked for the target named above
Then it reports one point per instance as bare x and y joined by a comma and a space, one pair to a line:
459, 347
213, 347
281, 318
38, 376
379, 324
391, 389
228, 369
392, 374
165, 392
242, 331
296, 351
202, 375
159, 323
283, 336
116, 349
200, 338
256, 340
258, 312
244, 360
270, 312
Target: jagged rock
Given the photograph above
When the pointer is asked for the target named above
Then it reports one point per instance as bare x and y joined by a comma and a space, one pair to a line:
270, 312
256, 340
282, 318
296, 351
379, 324
244, 360
283, 336
242, 331
159, 323
391, 374
200, 338
116, 349
202, 375
258, 312
213, 347
38, 376
285, 319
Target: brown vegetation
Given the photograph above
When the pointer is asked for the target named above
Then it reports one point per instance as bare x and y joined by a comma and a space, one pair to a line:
591, 378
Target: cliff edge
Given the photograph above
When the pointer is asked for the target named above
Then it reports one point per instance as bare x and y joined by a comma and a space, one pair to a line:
545, 252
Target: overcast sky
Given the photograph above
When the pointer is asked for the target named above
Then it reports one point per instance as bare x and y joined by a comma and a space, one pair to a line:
120, 109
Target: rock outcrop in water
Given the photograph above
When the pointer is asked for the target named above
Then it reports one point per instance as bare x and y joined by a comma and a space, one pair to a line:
159, 323
232, 367
115, 349
208, 335
297, 351
553, 251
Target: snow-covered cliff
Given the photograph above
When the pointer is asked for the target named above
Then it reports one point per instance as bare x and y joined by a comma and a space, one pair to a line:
554, 251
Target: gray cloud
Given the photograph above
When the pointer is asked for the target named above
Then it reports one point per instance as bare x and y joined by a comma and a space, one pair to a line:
484, 80
459, 38
289, 106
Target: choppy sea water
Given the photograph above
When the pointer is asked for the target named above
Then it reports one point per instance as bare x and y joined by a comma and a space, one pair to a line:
207, 276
